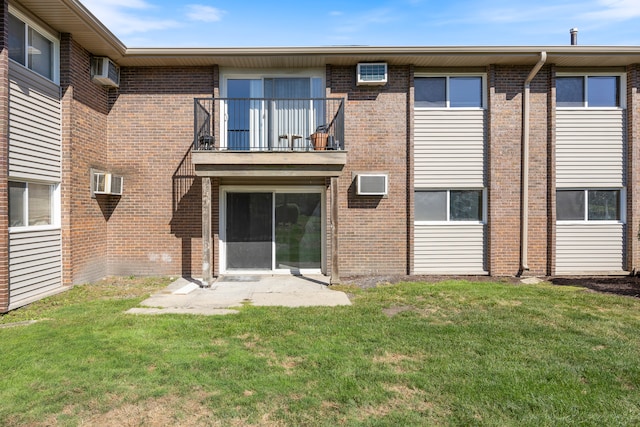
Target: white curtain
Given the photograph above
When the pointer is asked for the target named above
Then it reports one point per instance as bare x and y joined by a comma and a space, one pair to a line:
290, 111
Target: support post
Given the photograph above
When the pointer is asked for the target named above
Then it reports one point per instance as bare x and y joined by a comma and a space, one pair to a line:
335, 274
207, 240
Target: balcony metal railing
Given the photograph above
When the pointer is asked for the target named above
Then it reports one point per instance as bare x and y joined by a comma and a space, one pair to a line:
268, 124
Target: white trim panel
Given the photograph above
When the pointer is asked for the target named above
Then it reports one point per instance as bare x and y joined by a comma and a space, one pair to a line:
590, 148
589, 247
35, 265
450, 249
35, 147
449, 148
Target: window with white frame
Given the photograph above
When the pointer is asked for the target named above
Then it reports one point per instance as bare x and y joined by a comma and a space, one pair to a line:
589, 205
33, 204
449, 205
32, 47
462, 91
589, 91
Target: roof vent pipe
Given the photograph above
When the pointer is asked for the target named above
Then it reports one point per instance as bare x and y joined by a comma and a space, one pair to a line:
574, 36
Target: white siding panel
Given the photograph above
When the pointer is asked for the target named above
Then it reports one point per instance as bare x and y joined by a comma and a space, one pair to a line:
35, 265
450, 249
449, 148
589, 248
590, 148
34, 126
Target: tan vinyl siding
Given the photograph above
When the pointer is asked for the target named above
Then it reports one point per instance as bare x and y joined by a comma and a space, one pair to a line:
35, 266
34, 126
449, 154
450, 249
589, 248
449, 148
590, 148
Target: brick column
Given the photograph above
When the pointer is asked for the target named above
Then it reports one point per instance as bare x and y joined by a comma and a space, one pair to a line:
4, 166
503, 165
551, 174
540, 210
410, 172
67, 145
633, 168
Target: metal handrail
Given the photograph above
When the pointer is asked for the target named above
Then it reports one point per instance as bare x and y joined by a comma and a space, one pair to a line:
268, 124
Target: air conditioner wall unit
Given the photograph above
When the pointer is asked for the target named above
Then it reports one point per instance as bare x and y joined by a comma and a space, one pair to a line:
105, 72
372, 73
105, 183
372, 184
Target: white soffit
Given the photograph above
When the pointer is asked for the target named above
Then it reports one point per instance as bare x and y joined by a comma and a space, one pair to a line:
70, 16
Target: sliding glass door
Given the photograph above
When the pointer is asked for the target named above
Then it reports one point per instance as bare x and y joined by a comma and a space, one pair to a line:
298, 230
273, 231
249, 231
265, 113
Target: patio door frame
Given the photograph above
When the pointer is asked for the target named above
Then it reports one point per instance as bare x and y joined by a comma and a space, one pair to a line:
277, 189
259, 118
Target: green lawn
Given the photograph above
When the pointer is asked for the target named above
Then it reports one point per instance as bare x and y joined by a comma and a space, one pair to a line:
450, 353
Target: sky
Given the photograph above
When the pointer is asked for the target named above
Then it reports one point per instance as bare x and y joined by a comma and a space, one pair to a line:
288, 23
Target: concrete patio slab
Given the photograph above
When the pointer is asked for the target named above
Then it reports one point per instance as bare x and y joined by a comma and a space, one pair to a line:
185, 296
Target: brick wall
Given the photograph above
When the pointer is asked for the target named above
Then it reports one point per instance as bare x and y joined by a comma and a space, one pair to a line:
551, 174
373, 230
633, 167
4, 154
155, 227
504, 170
84, 145
539, 183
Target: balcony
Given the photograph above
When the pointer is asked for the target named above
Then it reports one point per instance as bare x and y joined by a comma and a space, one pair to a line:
268, 137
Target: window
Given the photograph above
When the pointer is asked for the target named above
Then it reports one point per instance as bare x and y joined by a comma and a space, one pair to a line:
32, 204
449, 92
588, 205
449, 205
32, 48
588, 91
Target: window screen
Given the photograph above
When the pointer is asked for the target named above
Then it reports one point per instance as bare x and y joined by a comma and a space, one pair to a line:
17, 41
39, 204
570, 91
17, 191
570, 205
430, 92
431, 205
